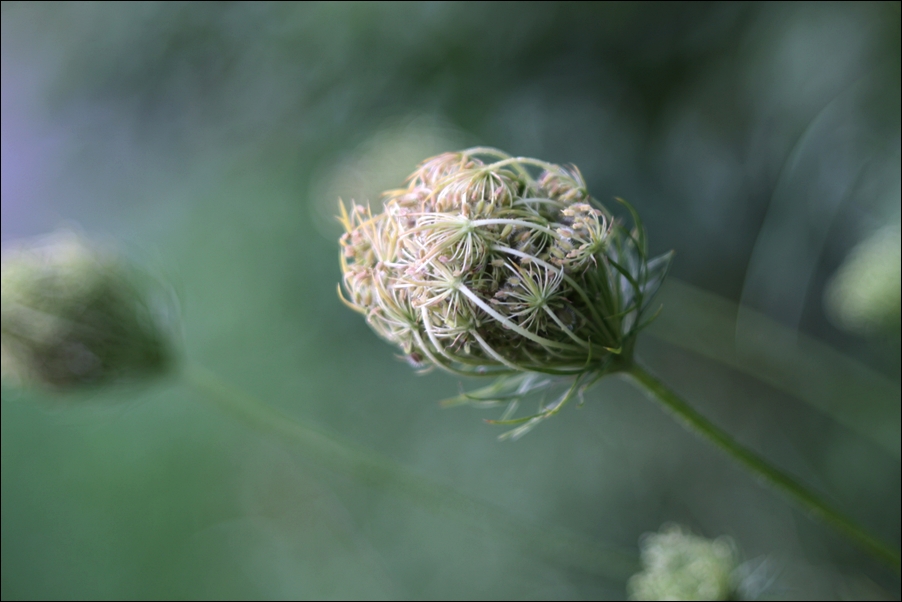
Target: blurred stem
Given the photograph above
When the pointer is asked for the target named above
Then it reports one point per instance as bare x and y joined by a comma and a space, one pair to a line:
555, 545
772, 475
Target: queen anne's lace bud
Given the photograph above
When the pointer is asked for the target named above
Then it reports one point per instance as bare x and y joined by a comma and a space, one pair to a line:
73, 316
487, 263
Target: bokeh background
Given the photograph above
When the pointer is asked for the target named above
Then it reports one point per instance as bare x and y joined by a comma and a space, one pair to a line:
211, 141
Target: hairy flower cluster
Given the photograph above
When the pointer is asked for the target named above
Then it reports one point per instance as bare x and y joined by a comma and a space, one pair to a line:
74, 317
487, 263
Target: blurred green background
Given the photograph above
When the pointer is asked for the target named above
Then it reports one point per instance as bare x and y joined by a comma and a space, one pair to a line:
211, 142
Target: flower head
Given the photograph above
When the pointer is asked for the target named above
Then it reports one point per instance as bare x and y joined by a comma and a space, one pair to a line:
73, 316
490, 264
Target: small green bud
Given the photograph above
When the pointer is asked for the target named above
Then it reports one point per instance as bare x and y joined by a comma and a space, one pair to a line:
75, 317
491, 264
677, 565
865, 294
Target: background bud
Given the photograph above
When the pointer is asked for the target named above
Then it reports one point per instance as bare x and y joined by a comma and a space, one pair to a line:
677, 565
73, 316
864, 296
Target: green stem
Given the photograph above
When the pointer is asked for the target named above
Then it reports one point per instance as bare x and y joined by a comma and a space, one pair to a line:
343, 457
775, 477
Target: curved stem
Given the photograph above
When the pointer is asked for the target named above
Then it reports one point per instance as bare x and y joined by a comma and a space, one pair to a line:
773, 476
556, 545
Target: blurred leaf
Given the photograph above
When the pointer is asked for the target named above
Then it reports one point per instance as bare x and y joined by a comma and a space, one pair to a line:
846, 390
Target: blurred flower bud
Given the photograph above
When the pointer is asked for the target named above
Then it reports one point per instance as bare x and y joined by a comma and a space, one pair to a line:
677, 565
865, 294
490, 264
73, 317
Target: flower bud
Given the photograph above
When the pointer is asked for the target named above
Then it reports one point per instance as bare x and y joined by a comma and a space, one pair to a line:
73, 317
677, 565
864, 296
490, 264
